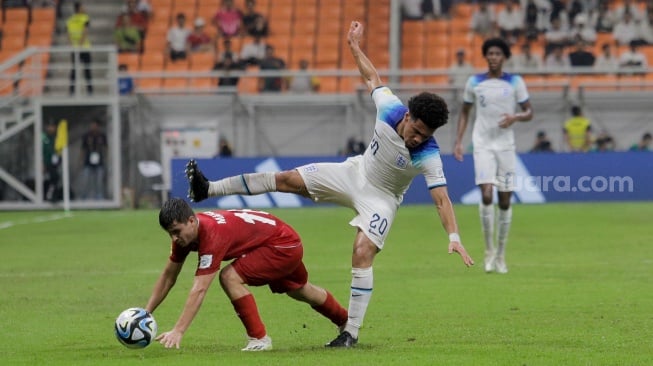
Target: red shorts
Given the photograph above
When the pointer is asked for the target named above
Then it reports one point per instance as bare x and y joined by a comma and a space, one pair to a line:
279, 267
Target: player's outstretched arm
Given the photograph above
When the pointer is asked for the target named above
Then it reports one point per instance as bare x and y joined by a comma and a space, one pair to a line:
163, 285
365, 67
441, 199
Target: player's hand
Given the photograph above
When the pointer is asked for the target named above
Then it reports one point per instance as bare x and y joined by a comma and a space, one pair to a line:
458, 151
507, 120
355, 32
170, 339
457, 247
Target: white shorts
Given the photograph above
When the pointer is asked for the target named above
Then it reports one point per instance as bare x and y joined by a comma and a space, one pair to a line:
345, 184
495, 167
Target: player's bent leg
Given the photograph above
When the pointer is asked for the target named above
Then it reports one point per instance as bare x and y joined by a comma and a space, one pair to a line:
245, 307
323, 302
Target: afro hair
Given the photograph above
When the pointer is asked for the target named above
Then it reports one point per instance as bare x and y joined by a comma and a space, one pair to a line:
430, 109
496, 42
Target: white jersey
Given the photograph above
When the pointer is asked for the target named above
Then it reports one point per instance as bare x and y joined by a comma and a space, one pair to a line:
492, 98
387, 163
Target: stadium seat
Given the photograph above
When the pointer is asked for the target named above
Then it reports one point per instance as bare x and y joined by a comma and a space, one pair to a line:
43, 15
328, 84
153, 61
201, 61
13, 43
155, 44
42, 40
40, 29
14, 27
132, 60
249, 84
17, 14
202, 83
161, 4
149, 84
214, 3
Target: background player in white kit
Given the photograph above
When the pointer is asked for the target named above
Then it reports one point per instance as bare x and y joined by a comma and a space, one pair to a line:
495, 96
372, 184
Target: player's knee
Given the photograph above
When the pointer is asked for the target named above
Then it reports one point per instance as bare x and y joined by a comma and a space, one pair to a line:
229, 276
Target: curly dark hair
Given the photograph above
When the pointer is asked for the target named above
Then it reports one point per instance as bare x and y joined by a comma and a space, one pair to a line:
429, 108
496, 42
174, 209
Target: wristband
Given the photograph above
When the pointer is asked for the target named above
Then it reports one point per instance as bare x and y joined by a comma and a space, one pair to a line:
454, 237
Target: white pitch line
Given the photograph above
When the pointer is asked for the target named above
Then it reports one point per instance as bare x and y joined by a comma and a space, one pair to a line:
35, 220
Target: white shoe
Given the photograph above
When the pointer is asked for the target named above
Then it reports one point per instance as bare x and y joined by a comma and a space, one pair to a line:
489, 261
259, 344
500, 265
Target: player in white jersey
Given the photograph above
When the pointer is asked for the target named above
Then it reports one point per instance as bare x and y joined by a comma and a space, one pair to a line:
495, 96
372, 184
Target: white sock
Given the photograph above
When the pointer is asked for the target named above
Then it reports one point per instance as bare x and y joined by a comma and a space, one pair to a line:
362, 280
487, 224
249, 184
505, 219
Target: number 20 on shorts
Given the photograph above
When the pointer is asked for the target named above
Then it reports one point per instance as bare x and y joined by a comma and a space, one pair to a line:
378, 225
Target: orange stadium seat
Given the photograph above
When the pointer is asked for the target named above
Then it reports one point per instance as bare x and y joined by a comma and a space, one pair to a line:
185, 3
306, 12
152, 61
330, 11
349, 84
151, 84
39, 40
329, 27
40, 28
188, 12
207, 12
13, 27
304, 28
43, 15
155, 44
132, 60
328, 84
201, 61
13, 43
214, 3
249, 84
157, 29
17, 14
161, 15
201, 83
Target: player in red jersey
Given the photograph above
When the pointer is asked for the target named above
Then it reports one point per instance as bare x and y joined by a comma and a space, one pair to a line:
265, 251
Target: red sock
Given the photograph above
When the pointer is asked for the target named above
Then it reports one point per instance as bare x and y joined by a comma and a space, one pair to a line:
332, 310
248, 313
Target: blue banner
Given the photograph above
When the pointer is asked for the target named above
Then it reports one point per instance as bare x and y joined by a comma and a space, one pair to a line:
539, 178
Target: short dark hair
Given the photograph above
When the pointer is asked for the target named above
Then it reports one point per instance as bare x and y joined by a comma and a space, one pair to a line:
496, 42
576, 111
647, 136
429, 108
174, 209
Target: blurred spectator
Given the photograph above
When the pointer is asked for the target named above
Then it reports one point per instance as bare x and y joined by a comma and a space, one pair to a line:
606, 60
254, 23
125, 82
228, 64
353, 147
510, 22
574, 8
433, 9
603, 20
178, 39
94, 147
577, 131
460, 70
557, 60
127, 36
531, 20
199, 40
51, 161
582, 31
604, 142
542, 143
303, 81
628, 7
138, 19
227, 51
270, 63
555, 37
253, 52
412, 9
145, 8
483, 20
224, 148
632, 59
228, 20
644, 144
526, 60
580, 56
645, 30
626, 30
77, 27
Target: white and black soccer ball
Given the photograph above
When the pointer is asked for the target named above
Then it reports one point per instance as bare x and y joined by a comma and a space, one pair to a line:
135, 328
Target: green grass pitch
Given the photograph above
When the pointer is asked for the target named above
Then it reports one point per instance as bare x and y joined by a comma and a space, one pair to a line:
579, 291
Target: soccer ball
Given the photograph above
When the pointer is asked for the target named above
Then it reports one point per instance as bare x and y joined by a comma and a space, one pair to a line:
135, 328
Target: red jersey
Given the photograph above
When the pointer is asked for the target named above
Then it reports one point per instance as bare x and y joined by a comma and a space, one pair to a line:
229, 234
